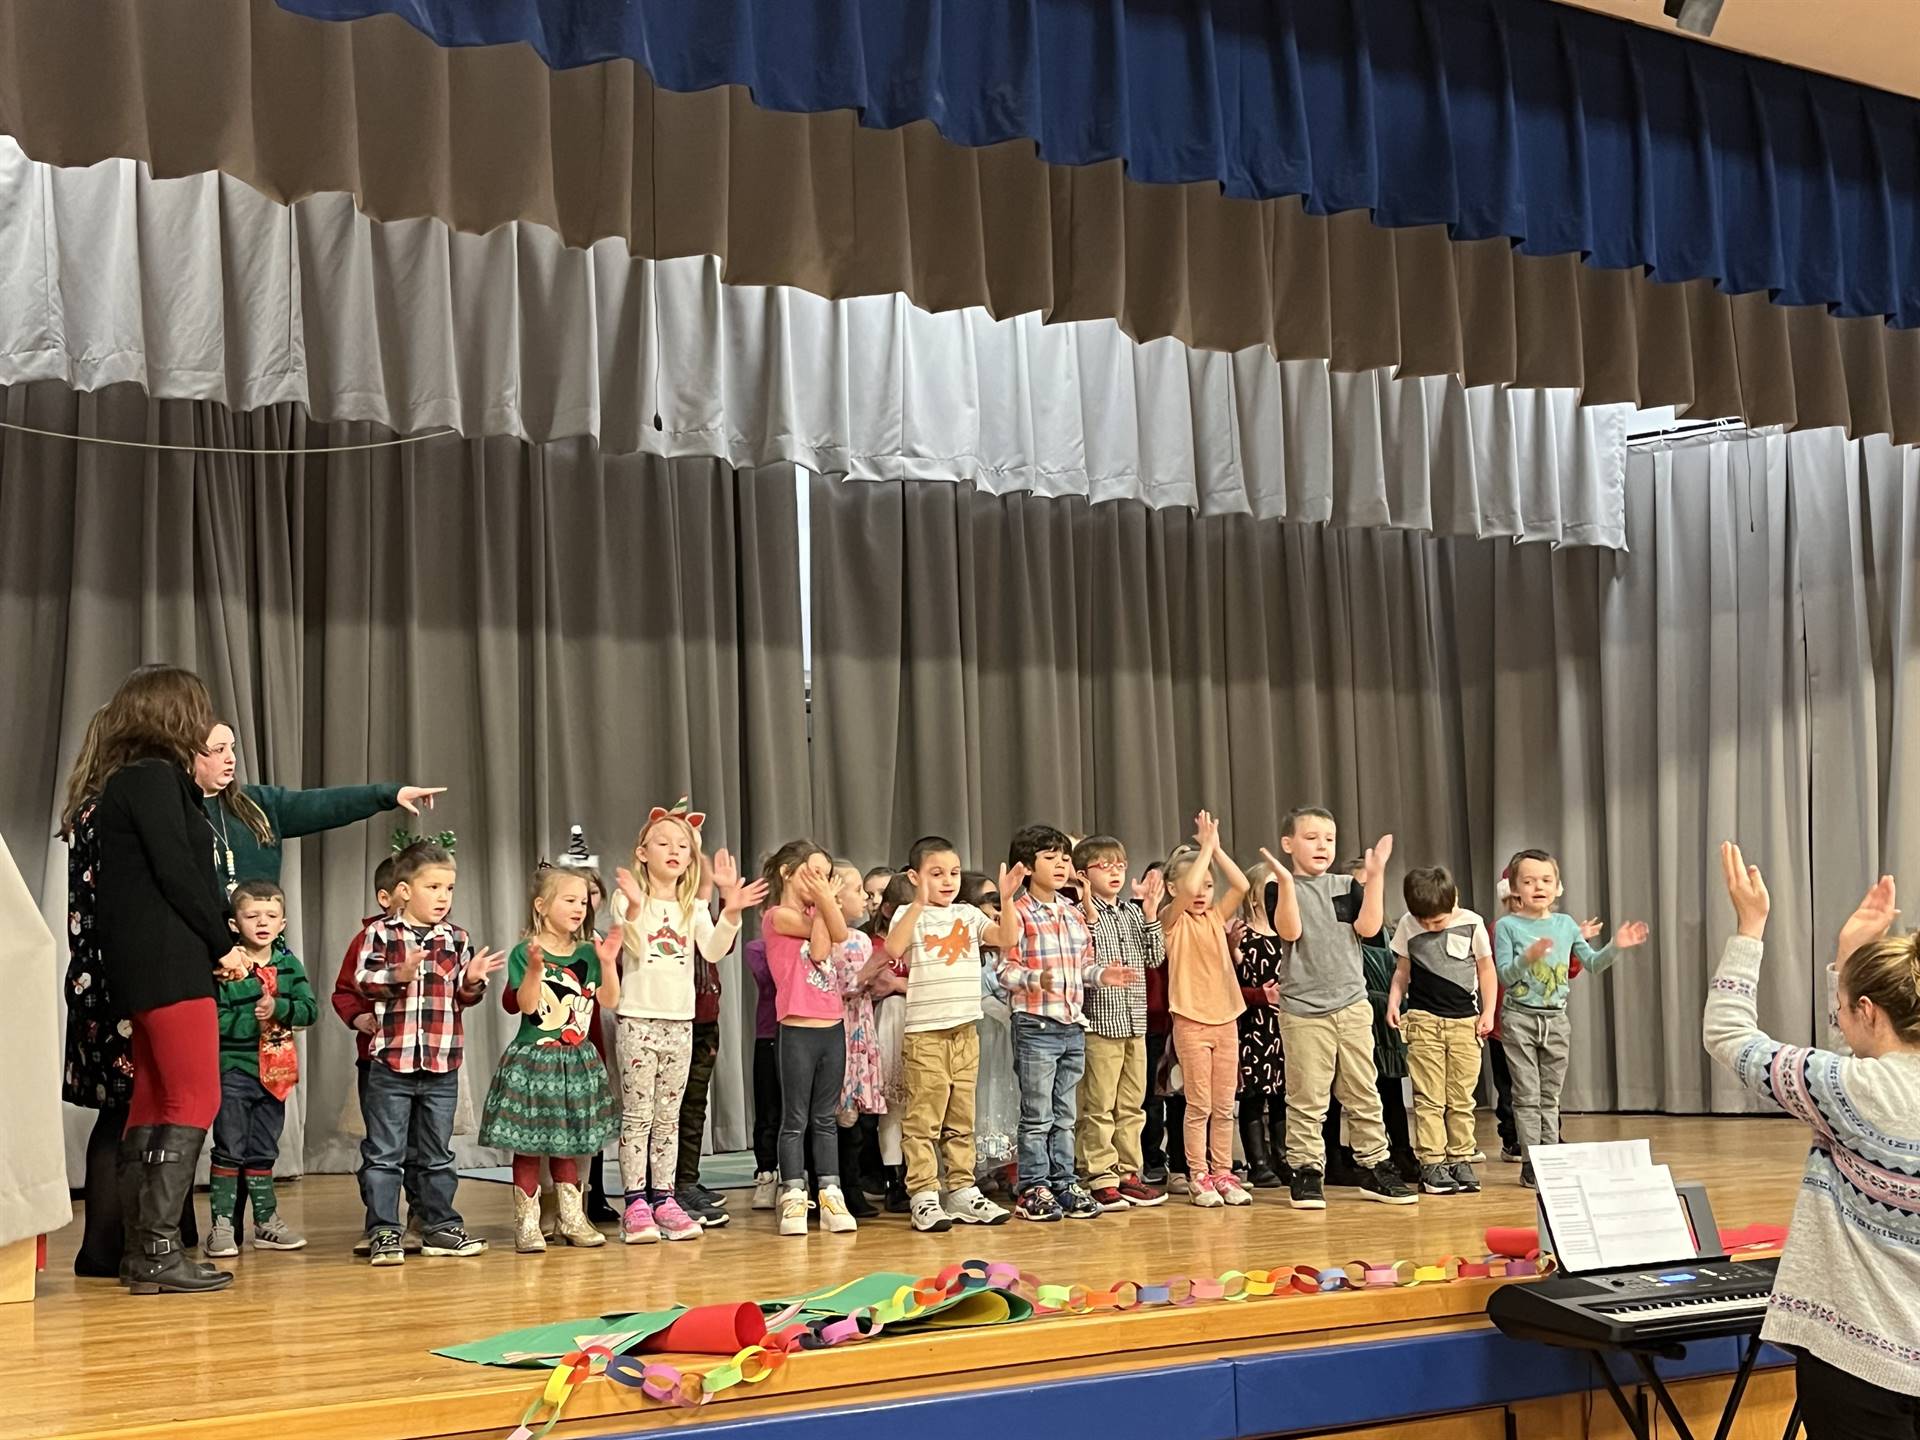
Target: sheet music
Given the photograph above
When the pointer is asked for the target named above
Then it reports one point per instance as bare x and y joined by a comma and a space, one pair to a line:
1630, 1211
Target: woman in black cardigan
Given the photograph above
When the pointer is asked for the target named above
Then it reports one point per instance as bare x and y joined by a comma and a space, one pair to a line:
163, 931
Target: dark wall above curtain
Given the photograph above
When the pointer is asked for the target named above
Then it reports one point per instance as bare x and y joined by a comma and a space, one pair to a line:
1564, 131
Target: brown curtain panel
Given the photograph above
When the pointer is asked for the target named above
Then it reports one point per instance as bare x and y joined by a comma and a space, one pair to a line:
557, 637
480, 136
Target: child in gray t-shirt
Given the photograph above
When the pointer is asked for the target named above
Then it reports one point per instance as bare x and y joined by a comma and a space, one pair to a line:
1326, 1020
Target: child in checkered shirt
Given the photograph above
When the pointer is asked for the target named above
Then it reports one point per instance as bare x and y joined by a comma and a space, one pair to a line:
422, 974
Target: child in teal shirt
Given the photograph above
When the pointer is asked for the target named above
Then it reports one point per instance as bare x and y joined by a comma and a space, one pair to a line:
1533, 949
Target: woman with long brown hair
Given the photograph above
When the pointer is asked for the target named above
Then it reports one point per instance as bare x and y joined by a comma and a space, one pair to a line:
155, 918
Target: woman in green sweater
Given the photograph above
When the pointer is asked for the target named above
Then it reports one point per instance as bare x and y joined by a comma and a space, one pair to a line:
246, 825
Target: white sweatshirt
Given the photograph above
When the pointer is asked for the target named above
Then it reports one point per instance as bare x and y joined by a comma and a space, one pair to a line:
657, 960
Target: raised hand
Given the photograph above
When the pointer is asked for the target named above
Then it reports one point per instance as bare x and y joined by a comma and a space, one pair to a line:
1634, 932
1150, 891
412, 797
922, 889
483, 965
1539, 950
1236, 932
726, 873
745, 897
1746, 889
536, 957
629, 888
1012, 877
1591, 927
1206, 829
607, 947
1871, 919
1377, 857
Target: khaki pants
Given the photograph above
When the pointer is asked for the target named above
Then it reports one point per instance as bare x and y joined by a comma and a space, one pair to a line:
1329, 1055
941, 1066
1113, 1101
1443, 1057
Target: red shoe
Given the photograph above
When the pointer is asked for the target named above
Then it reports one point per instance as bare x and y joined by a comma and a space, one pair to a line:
1137, 1192
1109, 1199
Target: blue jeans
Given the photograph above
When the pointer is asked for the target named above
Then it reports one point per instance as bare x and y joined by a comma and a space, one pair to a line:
246, 1132
1049, 1058
409, 1131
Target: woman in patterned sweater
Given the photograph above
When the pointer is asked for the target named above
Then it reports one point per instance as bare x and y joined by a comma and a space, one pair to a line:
1847, 1298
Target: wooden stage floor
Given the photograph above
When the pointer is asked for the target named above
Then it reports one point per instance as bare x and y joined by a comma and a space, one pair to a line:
315, 1343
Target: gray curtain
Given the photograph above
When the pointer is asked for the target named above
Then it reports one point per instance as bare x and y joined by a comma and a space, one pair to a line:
980, 662
557, 637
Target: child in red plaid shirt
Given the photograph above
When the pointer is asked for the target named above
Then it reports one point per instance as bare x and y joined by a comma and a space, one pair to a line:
422, 973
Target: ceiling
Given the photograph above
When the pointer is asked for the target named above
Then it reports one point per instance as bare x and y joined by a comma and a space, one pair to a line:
1873, 42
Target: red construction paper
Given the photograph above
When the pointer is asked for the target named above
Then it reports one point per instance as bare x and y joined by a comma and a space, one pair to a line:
710, 1330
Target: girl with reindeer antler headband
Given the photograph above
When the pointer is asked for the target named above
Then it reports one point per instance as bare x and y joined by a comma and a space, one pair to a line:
666, 929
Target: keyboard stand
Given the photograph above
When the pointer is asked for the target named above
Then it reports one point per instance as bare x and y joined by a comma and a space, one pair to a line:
1643, 1360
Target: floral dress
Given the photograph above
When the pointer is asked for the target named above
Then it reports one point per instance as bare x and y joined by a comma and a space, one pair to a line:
863, 1092
99, 1068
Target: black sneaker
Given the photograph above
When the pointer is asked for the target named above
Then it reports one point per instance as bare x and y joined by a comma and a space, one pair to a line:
1383, 1183
1306, 1192
1343, 1169
1437, 1180
712, 1196
1510, 1153
384, 1247
598, 1210
1154, 1175
451, 1240
858, 1204
898, 1201
1526, 1176
1264, 1177
695, 1203
1464, 1179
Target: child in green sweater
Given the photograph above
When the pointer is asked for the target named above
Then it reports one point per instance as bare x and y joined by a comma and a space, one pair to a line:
258, 1068
1534, 947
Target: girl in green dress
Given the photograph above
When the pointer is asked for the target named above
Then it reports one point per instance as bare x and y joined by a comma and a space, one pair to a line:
550, 1097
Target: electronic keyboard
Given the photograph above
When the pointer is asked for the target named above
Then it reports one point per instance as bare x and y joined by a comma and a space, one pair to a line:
1637, 1309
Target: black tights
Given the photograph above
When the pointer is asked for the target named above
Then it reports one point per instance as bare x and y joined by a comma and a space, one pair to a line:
105, 1227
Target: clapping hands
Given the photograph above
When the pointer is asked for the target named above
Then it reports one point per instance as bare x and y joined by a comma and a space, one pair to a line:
735, 897
484, 965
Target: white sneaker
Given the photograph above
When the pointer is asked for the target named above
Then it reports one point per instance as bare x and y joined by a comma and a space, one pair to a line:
835, 1218
970, 1207
927, 1214
1203, 1192
1230, 1190
793, 1210
766, 1190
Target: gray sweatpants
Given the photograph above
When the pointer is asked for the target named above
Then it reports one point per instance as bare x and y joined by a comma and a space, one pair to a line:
1537, 1043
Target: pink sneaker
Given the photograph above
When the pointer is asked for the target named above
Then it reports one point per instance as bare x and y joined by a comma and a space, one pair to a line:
674, 1223
1231, 1190
636, 1226
1204, 1193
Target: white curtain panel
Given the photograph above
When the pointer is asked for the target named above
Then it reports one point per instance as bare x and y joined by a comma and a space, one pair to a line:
201, 288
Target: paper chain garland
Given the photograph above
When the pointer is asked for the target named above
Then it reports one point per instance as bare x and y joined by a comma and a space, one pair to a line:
670, 1384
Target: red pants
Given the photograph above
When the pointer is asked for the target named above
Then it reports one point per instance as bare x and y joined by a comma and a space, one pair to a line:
176, 1065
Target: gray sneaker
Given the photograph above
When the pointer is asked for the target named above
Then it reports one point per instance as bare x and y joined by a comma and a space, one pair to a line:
222, 1242
273, 1233
1437, 1180
1464, 1180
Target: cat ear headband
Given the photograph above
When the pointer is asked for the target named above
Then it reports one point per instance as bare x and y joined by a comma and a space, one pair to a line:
693, 819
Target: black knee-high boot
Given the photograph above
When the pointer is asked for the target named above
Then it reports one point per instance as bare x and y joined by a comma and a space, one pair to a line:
1253, 1141
103, 1242
1277, 1136
167, 1157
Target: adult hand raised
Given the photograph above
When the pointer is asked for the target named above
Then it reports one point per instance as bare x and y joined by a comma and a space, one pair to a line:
412, 797
1871, 919
1746, 889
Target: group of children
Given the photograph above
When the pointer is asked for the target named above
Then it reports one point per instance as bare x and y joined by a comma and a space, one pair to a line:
875, 1057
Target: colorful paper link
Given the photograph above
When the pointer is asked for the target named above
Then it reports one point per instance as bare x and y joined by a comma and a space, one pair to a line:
787, 1335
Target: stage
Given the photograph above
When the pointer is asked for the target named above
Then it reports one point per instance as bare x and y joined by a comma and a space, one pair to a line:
315, 1344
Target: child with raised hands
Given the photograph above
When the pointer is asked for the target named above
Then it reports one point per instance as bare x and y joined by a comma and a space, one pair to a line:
1326, 1019
805, 927
550, 1098
665, 929
1535, 948
1203, 993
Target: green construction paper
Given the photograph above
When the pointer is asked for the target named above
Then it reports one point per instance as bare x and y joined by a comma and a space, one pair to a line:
540, 1345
